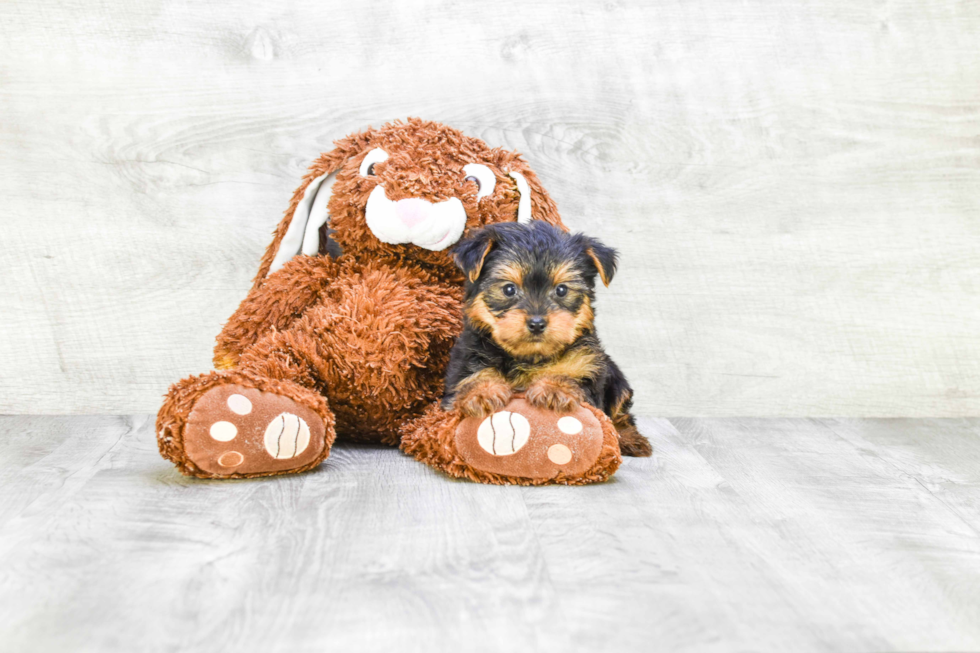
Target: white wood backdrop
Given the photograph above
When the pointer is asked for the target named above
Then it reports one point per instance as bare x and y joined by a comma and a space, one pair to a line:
793, 185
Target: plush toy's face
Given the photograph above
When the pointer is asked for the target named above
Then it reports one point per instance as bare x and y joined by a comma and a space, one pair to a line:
413, 189
403, 209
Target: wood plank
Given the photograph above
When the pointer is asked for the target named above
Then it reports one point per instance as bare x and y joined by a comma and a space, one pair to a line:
738, 534
792, 189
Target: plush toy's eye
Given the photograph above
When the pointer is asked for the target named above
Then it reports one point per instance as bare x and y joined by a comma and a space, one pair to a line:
561, 290
510, 290
483, 176
377, 155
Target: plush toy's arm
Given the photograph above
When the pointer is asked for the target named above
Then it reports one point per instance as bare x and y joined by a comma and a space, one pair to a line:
440, 312
275, 303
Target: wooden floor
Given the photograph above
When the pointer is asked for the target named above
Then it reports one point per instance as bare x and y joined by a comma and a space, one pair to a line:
857, 535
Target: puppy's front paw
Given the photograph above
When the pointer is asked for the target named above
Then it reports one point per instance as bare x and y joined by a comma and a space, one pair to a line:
483, 398
556, 393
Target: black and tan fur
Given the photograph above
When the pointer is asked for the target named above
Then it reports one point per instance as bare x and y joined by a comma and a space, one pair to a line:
529, 327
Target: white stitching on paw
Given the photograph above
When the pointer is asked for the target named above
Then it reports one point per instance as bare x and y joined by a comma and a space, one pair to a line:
286, 436
569, 425
223, 431
239, 404
559, 454
503, 433
231, 459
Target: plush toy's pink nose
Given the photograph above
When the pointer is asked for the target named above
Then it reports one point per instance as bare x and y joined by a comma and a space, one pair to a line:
412, 211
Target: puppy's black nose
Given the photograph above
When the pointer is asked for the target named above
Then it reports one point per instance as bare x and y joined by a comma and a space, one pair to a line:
536, 325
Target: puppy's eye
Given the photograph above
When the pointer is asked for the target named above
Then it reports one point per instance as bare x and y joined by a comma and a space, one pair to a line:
370, 170
561, 290
475, 180
510, 290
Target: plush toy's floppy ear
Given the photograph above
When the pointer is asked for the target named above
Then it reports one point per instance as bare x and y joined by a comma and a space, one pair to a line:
299, 230
604, 258
524, 207
303, 233
535, 203
472, 252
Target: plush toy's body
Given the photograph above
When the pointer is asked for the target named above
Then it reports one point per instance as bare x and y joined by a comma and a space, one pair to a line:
349, 323
372, 337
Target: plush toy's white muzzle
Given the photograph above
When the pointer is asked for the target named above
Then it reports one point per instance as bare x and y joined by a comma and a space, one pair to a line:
432, 226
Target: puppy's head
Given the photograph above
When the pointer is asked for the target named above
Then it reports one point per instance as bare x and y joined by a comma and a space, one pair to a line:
531, 286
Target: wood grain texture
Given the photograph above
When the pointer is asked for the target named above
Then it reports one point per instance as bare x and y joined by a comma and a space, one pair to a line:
739, 534
793, 186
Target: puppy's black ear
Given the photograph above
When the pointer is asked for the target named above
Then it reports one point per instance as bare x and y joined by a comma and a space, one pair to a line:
470, 253
604, 258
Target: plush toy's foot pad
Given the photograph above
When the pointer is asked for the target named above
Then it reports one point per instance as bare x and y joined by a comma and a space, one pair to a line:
233, 429
528, 442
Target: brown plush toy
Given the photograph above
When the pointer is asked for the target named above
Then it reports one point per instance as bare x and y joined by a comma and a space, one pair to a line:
348, 325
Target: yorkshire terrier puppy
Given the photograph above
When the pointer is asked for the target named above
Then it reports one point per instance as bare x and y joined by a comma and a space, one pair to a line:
529, 327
